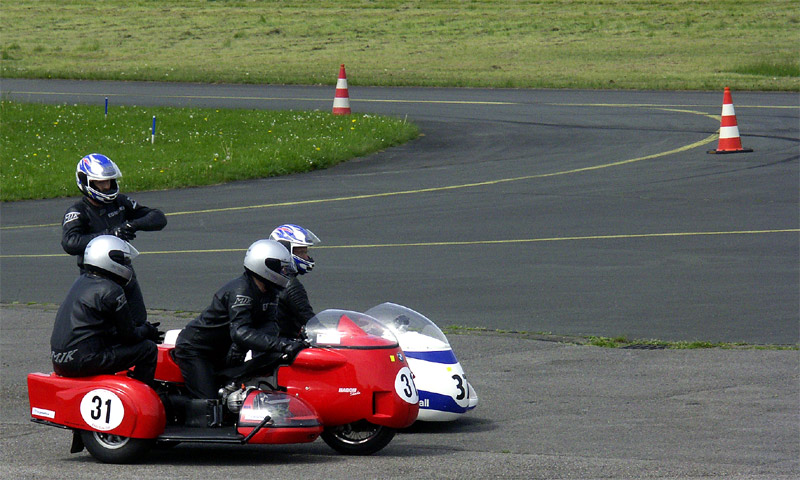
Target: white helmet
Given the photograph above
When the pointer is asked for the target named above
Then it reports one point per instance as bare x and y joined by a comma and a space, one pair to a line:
110, 255
296, 236
269, 261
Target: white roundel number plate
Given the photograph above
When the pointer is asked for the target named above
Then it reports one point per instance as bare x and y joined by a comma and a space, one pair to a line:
102, 409
404, 386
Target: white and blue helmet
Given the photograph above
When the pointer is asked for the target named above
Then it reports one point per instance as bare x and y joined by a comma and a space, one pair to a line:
296, 236
95, 167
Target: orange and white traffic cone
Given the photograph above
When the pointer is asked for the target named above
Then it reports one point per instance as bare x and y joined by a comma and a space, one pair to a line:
341, 102
729, 141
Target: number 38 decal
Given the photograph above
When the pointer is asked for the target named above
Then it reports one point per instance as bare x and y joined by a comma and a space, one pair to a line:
404, 386
102, 409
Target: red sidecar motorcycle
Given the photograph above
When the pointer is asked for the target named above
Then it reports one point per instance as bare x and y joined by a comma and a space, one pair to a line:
352, 387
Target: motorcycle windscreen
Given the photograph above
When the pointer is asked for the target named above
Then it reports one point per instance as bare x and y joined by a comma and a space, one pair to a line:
348, 329
413, 330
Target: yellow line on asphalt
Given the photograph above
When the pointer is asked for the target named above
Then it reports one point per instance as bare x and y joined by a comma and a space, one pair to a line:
18, 227
467, 243
706, 140
377, 100
563, 239
656, 105
299, 99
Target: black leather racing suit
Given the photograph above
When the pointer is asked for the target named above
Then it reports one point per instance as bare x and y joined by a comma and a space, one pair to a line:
294, 309
94, 334
239, 313
83, 221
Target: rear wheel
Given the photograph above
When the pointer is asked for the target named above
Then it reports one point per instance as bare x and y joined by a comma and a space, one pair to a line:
110, 448
359, 438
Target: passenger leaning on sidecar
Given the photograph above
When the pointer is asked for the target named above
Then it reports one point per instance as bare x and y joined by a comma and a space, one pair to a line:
241, 312
294, 309
104, 211
94, 332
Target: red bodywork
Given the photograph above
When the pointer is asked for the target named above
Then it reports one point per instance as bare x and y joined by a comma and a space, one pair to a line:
58, 400
353, 380
347, 386
166, 368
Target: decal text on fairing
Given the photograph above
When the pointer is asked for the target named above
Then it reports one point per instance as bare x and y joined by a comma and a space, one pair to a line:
41, 412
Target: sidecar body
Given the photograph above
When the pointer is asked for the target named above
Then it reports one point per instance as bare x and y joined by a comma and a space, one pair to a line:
444, 392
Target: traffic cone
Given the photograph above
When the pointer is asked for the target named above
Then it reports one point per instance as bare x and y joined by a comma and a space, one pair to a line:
729, 141
341, 102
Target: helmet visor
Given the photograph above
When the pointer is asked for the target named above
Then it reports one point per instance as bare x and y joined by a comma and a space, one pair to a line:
124, 257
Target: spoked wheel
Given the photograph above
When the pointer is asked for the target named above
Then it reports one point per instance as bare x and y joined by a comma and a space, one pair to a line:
109, 448
359, 438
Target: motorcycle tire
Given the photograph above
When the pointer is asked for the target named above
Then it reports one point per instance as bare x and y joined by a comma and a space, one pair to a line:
359, 438
109, 448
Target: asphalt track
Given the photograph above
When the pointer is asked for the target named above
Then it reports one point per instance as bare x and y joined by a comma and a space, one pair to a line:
572, 212
546, 410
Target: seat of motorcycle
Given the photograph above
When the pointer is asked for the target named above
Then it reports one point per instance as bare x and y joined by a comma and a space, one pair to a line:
262, 365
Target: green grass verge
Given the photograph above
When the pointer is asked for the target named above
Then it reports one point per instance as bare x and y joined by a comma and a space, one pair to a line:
618, 342
642, 44
624, 342
41, 144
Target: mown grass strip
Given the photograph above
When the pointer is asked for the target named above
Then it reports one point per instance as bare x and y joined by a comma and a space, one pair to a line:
643, 44
41, 144
621, 342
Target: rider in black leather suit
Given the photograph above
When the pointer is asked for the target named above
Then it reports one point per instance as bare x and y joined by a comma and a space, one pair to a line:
93, 332
104, 211
242, 312
294, 309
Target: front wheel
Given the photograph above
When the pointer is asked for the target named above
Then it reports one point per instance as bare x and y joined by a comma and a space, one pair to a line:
359, 438
109, 448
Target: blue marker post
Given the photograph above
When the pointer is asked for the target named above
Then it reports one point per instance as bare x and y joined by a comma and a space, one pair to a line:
153, 132
106, 108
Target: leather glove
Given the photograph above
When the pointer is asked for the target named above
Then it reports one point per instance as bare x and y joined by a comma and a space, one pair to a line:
126, 231
160, 334
292, 347
235, 356
150, 331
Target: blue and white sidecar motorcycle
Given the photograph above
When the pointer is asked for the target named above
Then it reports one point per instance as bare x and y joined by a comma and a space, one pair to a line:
444, 392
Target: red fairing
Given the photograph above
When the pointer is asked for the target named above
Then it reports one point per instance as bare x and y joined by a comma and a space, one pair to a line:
113, 404
352, 335
166, 369
352, 386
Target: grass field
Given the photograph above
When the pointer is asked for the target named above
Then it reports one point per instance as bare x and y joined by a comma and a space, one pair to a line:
623, 44
636, 44
40, 145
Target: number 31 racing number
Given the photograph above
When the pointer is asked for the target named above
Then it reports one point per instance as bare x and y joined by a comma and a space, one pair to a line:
102, 409
404, 386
